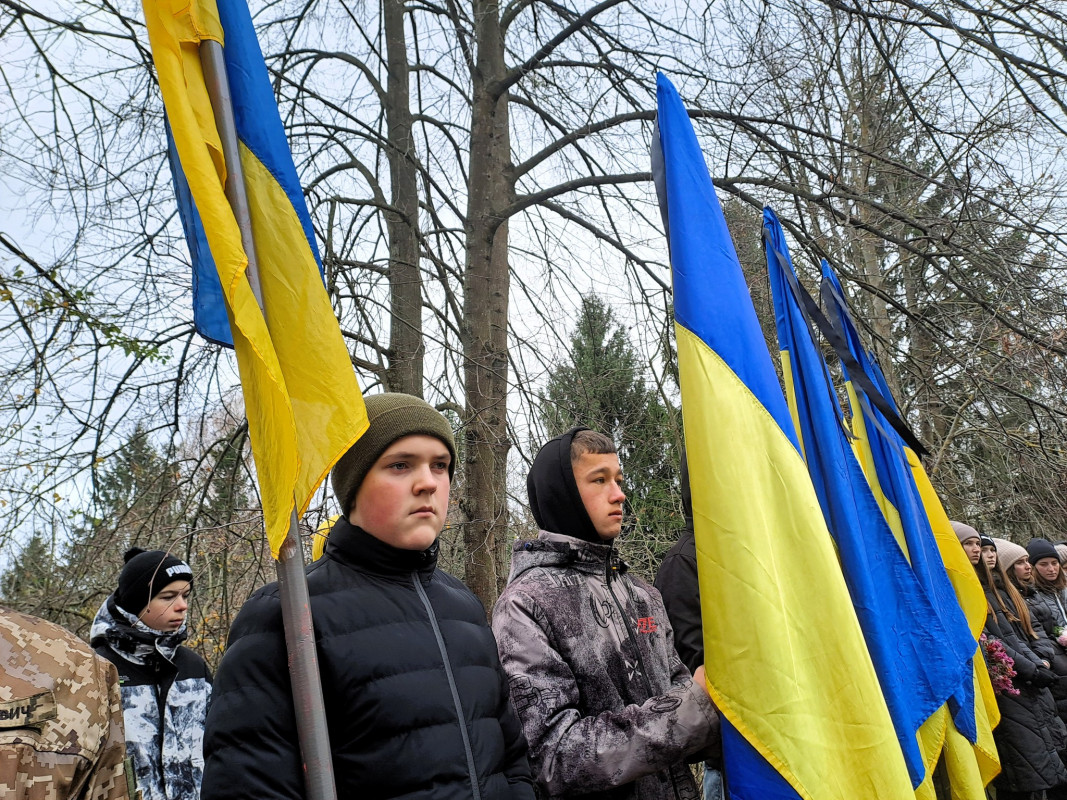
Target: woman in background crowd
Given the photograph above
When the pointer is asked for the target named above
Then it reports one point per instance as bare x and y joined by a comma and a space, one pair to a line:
1030, 734
165, 686
1048, 601
1017, 566
989, 551
1015, 562
1048, 607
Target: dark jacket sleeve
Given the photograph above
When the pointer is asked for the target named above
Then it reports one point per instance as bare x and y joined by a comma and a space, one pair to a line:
677, 583
251, 748
1026, 661
516, 764
1043, 645
1041, 612
1044, 609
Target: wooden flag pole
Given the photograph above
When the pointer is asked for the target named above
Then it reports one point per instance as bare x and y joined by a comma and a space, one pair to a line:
292, 581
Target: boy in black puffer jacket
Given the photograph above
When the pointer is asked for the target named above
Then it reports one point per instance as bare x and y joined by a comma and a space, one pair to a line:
416, 701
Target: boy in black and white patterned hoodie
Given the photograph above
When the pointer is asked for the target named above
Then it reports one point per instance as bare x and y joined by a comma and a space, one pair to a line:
606, 704
165, 687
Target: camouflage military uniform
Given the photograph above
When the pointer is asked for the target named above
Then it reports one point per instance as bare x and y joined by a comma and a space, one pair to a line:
60, 716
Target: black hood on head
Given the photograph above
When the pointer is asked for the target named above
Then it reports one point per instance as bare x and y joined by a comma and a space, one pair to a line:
554, 499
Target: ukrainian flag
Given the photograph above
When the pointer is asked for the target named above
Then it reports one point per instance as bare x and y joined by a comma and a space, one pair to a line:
302, 400
964, 738
904, 634
785, 657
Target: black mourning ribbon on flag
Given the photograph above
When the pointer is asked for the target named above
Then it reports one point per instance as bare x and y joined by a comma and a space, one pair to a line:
834, 335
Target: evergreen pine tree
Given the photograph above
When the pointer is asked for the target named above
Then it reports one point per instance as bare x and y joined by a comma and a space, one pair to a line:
603, 387
28, 582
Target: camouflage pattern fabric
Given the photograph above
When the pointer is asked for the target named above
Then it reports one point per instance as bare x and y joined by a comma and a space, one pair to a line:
61, 730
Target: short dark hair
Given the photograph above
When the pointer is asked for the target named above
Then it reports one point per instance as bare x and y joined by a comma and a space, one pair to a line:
590, 442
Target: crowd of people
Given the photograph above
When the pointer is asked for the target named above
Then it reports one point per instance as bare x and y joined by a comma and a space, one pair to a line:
589, 681
1026, 593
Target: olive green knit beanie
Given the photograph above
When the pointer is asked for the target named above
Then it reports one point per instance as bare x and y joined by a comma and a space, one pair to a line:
392, 416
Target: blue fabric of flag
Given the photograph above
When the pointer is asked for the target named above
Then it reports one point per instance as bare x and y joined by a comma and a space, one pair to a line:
259, 127
692, 238
903, 632
209, 305
898, 484
695, 240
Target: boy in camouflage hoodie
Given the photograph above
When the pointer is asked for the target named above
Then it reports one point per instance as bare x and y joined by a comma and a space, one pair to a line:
606, 704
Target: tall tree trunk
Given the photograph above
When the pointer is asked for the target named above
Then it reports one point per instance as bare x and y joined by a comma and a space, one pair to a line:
933, 416
867, 248
406, 349
485, 308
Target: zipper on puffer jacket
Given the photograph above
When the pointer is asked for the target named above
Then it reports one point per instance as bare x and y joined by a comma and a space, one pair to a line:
477, 792
610, 575
161, 709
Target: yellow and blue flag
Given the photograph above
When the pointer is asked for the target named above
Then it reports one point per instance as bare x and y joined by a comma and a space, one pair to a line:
302, 400
912, 508
904, 634
787, 666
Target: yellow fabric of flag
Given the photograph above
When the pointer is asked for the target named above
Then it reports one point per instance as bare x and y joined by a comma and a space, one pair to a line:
803, 715
792, 673
321, 535
961, 756
302, 400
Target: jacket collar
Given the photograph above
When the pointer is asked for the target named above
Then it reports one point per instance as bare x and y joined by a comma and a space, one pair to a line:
354, 547
557, 550
131, 638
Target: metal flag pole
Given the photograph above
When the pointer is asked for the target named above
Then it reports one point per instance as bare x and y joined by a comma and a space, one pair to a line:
292, 581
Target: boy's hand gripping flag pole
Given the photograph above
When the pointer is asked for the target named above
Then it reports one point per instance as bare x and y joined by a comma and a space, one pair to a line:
787, 666
254, 252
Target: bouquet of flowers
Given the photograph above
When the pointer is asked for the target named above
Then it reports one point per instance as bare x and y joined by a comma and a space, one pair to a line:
1061, 635
1001, 666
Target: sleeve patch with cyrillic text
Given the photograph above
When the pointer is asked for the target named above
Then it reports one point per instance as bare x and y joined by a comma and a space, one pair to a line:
26, 712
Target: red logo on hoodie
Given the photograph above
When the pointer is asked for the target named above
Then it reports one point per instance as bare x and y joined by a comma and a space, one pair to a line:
646, 625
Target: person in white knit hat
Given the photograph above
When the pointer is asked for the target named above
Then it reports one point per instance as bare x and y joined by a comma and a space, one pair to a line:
1061, 551
1015, 562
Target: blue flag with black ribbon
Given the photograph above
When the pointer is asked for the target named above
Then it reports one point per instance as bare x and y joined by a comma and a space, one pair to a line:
902, 500
903, 631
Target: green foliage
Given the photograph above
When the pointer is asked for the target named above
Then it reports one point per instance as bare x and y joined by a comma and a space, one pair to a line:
603, 387
201, 507
138, 482
29, 581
